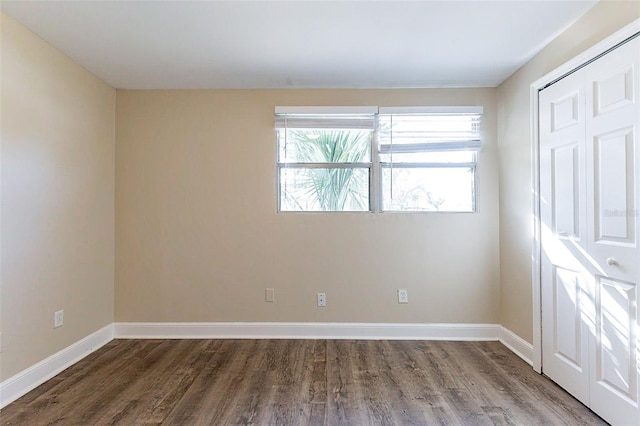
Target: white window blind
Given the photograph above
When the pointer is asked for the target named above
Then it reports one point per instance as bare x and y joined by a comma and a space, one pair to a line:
325, 117
414, 130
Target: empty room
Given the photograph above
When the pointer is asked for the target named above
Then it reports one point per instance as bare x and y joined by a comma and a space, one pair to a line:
320, 212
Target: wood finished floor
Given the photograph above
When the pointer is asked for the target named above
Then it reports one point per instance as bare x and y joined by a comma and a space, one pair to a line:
299, 382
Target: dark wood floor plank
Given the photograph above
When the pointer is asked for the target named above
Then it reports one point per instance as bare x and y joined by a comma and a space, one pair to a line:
398, 377
448, 390
212, 392
489, 385
305, 382
314, 383
292, 384
346, 394
542, 389
428, 381
152, 396
123, 393
531, 397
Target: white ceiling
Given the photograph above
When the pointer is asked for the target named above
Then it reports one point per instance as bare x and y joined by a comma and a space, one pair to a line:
288, 44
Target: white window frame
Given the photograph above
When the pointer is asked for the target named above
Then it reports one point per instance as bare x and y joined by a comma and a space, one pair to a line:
375, 166
299, 112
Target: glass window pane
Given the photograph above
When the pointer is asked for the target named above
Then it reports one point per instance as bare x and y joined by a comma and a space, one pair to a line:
324, 146
324, 189
428, 189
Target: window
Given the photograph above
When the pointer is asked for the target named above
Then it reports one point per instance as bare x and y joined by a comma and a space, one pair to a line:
324, 159
370, 159
428, 158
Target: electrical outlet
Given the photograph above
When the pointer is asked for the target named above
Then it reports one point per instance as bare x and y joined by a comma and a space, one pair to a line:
322, 300
58, 318
269, 295
403, 295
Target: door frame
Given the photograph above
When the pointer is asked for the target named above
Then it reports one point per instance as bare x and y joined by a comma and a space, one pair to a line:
623, 34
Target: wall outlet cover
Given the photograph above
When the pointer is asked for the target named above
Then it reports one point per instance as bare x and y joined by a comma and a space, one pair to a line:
58, 318
269, 295
322, 300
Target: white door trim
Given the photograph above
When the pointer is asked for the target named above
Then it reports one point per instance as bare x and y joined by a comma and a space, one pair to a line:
586, 56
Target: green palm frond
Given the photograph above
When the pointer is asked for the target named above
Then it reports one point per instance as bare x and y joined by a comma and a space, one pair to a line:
334, 189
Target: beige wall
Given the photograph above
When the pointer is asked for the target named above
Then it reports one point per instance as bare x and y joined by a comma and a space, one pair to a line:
58, 138
198, 237
515, 155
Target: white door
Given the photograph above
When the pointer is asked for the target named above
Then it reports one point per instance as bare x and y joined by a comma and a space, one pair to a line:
589, 203
613, 185
565, 276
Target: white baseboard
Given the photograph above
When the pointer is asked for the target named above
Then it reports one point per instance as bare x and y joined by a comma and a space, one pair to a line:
16, 386
516, 344
304, 330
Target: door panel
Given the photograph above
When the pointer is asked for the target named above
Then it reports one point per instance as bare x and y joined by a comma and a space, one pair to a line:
564, 111
614, 174
613, 90
613, 158
567, 334
563, 217
565, 195
615, 340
